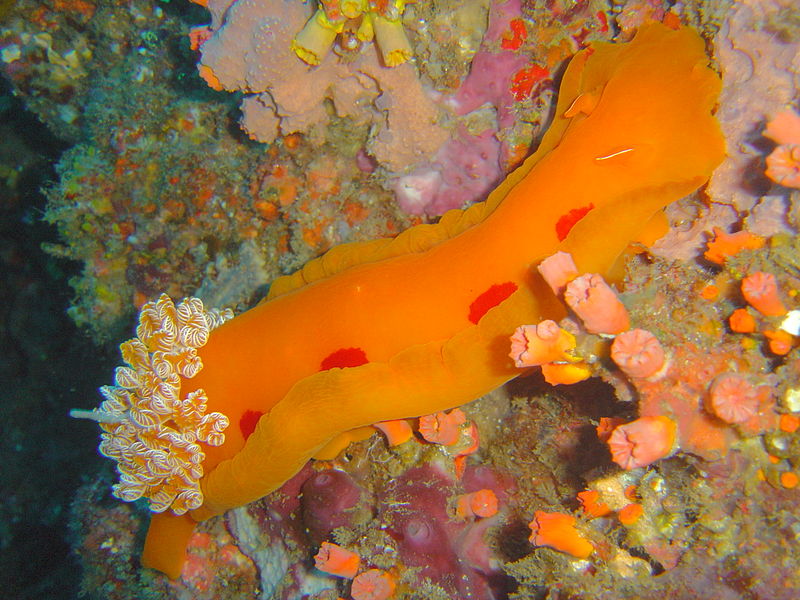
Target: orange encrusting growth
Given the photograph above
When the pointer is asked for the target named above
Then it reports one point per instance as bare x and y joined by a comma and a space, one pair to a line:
727, 244
649, 139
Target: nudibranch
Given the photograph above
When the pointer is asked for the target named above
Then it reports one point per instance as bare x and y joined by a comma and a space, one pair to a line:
214, 412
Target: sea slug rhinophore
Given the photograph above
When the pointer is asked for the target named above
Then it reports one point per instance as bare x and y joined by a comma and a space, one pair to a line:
403, 327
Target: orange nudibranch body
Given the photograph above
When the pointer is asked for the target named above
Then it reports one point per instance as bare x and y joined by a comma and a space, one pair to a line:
393, 329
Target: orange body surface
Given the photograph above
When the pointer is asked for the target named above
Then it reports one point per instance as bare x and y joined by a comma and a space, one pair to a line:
398, 328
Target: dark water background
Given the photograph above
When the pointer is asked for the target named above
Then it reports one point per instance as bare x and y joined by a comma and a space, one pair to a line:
46, 367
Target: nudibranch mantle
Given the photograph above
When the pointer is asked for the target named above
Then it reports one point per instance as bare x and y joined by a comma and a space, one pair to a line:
398, 328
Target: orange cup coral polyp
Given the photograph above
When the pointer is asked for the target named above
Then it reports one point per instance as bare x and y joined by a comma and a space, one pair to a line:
643, 441
761, 291
536, 345
732, 398
638, 353
596, 304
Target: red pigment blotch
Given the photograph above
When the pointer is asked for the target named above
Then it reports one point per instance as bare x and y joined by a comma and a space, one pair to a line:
343, 358
525, 79
248, 422
601, 16
489, 299
514, 38
567, 221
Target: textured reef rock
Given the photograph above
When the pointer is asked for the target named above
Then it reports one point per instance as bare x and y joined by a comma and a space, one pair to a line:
760, 59
757, 49
250, 49
449, 142
49, 53
171, 199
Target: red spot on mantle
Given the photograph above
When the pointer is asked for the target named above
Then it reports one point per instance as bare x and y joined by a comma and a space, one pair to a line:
248, 422
567, 221
489, 299
343, 358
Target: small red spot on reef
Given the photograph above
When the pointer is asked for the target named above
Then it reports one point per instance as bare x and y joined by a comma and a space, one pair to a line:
343, 358
525, 80
514, 38
248, 422
489, 299
567, 221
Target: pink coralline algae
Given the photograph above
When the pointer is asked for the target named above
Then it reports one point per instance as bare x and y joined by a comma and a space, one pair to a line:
328, 499
453, 554
468, 166
759, 71
464, 169
491, 76
757, 53
421, 533
273, 534
249, 50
